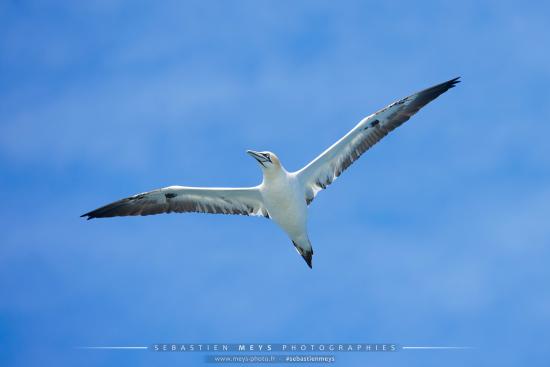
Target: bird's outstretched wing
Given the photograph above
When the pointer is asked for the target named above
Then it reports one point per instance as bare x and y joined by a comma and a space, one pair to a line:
324, 169
181, 199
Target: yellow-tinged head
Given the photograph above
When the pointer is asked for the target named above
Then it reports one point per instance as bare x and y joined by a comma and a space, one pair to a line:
267, 160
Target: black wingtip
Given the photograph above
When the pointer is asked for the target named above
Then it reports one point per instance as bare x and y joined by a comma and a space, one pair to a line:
424, 97
88, 216
454, 81
445, 86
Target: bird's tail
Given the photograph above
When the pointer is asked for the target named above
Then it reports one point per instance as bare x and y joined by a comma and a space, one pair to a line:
303, 246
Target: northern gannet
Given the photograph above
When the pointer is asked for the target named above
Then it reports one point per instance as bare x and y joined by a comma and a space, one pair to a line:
282, 196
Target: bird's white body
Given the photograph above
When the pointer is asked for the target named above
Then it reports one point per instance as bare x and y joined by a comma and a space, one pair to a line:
282, 196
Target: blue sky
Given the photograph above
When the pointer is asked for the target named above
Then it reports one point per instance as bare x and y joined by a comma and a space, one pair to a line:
437, 236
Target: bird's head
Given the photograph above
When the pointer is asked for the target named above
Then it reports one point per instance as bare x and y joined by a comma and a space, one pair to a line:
267, 160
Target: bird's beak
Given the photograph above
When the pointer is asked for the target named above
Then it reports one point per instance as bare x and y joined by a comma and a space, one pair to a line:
258, 156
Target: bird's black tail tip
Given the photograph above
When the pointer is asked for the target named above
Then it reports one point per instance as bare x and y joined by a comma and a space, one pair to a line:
309, 261
307, 255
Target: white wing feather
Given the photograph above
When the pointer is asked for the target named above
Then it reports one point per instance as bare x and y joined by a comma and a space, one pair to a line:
181, 199
324, 169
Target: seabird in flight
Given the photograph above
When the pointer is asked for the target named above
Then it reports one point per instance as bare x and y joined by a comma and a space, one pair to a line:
282, 196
